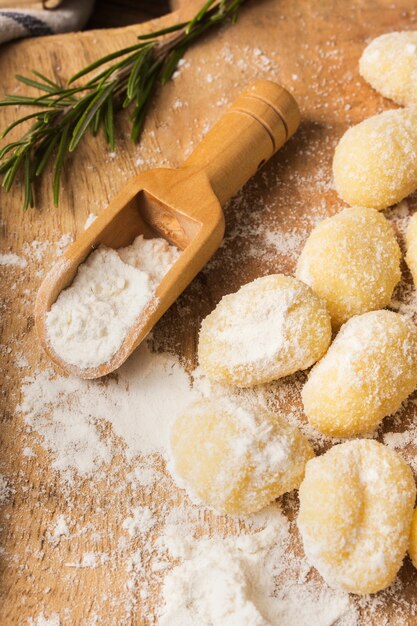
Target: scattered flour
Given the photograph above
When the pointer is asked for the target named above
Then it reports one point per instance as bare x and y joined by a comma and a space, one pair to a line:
66, 411
35, 250
60, 530
182, 64
144, 475
399, 440
63, 243
287, 244
54, 408
21, 361
141, 521
89, 560
90, 319
9, 258
41, 620
242, 581
90, 219
6, 490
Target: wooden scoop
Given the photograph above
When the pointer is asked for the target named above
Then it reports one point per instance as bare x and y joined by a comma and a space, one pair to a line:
182, 205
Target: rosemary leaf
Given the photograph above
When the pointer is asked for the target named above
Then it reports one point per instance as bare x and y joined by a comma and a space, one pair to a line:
138, 121
135, 75
62, 149
96, 122
88, 116
35, 83
11, 173
25, 100
102, 61
8, 148
163, 31
16, 123
46, 80
48, 149
199, 16
109, 124
28, 201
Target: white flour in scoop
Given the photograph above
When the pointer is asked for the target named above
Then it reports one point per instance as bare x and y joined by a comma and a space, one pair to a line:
91, 318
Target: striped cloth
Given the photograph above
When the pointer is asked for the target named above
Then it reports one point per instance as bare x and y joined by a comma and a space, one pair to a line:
69, 16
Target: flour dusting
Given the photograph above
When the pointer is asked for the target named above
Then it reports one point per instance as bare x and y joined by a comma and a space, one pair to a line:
141, 405
41, 620
6, 490
241, 581
13, 260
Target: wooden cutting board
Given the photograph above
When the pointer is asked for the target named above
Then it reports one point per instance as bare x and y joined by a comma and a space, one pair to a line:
312, 48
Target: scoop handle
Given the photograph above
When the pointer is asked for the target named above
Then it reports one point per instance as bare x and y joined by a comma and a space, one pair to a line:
257, 124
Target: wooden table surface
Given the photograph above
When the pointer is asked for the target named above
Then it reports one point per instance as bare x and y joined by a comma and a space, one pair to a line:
312, 48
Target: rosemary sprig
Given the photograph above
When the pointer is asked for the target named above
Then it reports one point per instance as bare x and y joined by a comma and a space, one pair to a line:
126, 78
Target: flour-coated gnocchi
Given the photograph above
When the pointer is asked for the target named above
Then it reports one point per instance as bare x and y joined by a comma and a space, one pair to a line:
270, 328
368, 371
356, 505
412, 548
389, 64
352, 261
375, 162
236, 456
411, 243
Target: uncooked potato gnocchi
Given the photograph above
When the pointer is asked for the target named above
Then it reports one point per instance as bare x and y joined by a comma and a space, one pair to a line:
389, 64
236, 456
368, 371
356, 505
411, 243
352, 261
270, 328
375, 162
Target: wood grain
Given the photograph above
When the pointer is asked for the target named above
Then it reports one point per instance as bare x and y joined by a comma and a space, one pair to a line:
311, 48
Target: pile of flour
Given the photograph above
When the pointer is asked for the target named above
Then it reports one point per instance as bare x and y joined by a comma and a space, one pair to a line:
90, 319
140, 405
252, 579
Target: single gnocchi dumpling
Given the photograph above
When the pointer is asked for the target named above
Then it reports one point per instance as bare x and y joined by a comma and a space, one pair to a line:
389, 64
356, 505
368, 371
270, 328
412, 549
411, 243
352, 261
236, 456
375, 162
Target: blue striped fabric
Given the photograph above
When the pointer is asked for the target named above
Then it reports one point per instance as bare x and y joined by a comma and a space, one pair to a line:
33, 25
